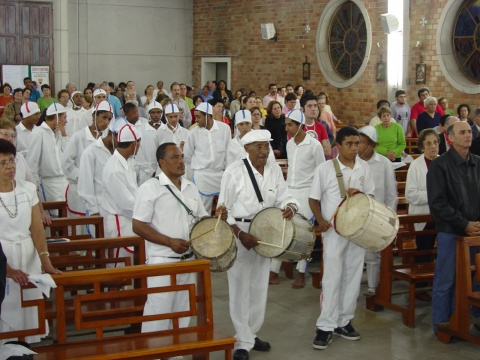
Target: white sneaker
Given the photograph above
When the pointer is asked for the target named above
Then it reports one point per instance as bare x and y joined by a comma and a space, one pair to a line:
372, 290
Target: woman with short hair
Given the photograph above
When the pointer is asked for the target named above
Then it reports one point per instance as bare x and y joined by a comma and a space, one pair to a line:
391, 139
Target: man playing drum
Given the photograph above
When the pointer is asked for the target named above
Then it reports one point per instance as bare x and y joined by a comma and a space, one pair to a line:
304, 155
248, 278
342, 259
160, 216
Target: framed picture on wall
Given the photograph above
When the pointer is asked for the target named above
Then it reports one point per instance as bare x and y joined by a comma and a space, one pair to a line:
421, 73
306, 71
380, 74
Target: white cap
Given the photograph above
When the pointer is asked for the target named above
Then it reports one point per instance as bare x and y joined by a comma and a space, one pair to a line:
29, 108
243, 116
128, 133
154, 105
116, 124
370, 132
75, 93
55, 108
99, 92
204, 107
256, 136
297, 116
103, 106
171, 108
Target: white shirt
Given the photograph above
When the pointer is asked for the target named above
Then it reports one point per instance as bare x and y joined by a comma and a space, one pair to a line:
23, 139
303, 159
44, 152
77, 119
146, 158
187, 115
236, 151
206, 149
325, 185
155, 205
119, 183
22, 171
90, 173
238, 195
383, 176
165, 134
78, 142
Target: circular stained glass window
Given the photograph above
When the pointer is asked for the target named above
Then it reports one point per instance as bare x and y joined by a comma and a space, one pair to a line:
466, 40
347, 44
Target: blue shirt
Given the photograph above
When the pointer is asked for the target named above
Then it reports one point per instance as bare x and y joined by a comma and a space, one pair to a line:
34, 95
116, 106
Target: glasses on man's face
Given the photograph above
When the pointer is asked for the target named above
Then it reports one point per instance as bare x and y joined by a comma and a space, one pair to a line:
5, 163
10, 135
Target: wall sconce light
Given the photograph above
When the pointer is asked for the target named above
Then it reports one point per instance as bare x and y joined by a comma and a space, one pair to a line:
418, 44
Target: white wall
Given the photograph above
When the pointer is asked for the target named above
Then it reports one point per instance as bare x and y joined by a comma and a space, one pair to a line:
140, 40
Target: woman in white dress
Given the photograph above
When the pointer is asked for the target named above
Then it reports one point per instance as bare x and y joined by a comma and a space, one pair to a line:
23, 242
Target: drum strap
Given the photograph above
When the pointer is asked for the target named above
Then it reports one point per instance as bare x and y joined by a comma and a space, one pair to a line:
254, 181
341, 185
189, 212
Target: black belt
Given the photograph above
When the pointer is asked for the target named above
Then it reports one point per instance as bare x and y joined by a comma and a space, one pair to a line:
243, 220
183, 257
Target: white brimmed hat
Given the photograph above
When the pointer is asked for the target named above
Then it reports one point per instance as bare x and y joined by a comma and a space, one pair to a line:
370, 132
128, 133
256, 136
171, 108
55, 108
29, 108
103, 106
243, 116
99, 92
204, 107
297, 116
154, 105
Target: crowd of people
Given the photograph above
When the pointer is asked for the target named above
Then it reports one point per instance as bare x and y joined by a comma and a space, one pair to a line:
139, 159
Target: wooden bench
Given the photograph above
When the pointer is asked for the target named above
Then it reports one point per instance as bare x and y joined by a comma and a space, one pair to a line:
401, 175
66, 227
411, 146
465, 296
59, 206
100, 311
407, 271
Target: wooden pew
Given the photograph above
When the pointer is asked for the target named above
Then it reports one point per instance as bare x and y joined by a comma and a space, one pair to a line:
60, 206
66, 227
411, 145
126, 307
401, 175
465, 296
407, 271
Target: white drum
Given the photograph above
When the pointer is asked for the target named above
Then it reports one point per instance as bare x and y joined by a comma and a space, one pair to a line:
215, 243
366, 222
269, 227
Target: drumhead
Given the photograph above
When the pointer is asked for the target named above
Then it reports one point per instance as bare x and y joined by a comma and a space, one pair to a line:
267, 226
347, 222
214, 243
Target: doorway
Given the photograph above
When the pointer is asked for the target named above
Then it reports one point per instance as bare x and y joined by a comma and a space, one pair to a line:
216, 68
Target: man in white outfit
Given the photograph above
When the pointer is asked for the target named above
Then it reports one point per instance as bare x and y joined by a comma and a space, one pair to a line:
304, 155
171, 131
385, 191
44, 155
78, 142
248, 277
243, 123
145, 161
30, 114
342, 259
75, 114
205, 151
167, 196
119, 183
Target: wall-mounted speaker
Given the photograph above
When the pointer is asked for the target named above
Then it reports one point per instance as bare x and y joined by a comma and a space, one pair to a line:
268, 31
390, 23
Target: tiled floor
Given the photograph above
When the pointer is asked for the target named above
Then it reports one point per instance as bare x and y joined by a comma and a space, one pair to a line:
290, 328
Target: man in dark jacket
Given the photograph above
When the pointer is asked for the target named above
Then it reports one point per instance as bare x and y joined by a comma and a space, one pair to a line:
453, 188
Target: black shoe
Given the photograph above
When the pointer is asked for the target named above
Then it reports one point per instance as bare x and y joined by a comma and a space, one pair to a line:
323, 339
347, 332
261, 345
240, 354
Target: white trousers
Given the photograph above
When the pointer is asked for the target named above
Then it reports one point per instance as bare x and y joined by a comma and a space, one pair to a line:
53, 188
342, 273
167, 302
75, 206
248, 287
373, 268
276, 264
118, 226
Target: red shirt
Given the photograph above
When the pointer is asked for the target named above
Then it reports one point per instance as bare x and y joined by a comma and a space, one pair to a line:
419, 107
317, 131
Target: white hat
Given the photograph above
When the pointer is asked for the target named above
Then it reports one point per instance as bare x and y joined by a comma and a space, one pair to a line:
243, 116
204, 107
256, 135
297, 116
128, 133
103, 106
171, 108
55, 108
370, 132
116, 124
29, 108
75, 93
154, 105
99, 92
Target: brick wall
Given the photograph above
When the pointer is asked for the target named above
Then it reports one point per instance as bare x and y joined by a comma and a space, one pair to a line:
233, 28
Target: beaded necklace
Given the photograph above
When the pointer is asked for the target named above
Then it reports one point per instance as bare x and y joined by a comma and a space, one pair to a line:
12, 215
